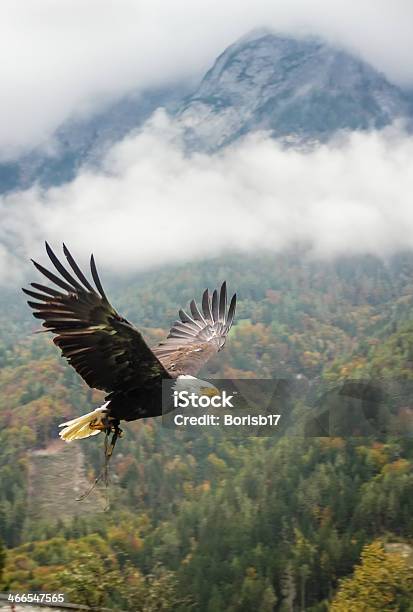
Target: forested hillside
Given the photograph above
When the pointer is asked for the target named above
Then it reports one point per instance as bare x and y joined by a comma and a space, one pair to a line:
204, 520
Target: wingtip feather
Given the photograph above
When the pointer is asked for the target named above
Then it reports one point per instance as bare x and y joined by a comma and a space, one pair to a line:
96, 278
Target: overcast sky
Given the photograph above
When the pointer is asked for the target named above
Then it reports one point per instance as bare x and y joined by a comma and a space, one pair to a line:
66, 57
150, 203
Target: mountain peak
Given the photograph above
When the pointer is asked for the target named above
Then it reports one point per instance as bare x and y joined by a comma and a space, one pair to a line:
298, 90
294, 88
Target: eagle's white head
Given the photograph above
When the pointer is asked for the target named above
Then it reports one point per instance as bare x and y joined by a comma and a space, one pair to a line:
195, 385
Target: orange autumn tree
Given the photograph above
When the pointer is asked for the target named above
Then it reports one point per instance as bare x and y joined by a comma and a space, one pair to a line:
383, 581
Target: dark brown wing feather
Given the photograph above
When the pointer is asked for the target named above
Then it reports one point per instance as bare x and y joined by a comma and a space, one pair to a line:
194, 339
104, 348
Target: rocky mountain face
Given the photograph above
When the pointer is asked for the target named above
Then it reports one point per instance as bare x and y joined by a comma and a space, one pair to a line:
79, 142
56, 478
297, 90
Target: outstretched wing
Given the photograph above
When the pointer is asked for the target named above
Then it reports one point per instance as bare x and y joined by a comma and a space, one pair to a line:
194, 339
104, 348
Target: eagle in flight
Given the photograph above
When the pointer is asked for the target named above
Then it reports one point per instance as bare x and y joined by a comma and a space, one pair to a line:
111, 354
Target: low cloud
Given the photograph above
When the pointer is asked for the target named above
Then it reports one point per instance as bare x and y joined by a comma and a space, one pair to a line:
70, 58
151, 204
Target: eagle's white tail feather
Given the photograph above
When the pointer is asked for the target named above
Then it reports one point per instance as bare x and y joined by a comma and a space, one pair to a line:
79, 428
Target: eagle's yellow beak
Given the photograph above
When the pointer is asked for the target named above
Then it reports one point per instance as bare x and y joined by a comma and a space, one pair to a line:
210, 391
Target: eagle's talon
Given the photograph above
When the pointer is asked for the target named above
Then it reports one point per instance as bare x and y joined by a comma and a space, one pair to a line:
95, 425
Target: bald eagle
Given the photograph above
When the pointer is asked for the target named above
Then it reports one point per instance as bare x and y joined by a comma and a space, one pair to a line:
111, 354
